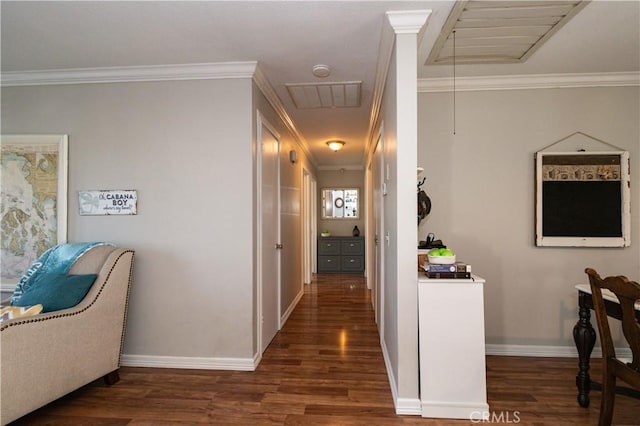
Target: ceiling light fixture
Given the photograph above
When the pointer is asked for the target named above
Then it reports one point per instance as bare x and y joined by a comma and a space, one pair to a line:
321, 70
335, 146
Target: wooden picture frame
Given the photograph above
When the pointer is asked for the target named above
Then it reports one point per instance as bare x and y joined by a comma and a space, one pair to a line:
583, 199
34, 189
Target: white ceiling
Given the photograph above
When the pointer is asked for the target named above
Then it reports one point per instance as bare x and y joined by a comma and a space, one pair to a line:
288, 38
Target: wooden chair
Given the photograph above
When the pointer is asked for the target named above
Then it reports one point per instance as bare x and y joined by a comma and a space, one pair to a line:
627, 292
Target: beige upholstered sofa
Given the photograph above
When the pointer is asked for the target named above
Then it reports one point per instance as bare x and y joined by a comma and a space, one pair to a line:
46, 356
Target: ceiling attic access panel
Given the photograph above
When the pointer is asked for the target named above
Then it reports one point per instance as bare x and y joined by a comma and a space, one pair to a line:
499, 31
325, 95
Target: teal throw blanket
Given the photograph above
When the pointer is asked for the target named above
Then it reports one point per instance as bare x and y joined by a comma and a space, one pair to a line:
58, 259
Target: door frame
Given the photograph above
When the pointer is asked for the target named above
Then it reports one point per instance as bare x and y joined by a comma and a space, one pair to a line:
262, 125
308, 225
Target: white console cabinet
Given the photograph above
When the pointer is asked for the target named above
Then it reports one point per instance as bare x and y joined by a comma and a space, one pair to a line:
452, 348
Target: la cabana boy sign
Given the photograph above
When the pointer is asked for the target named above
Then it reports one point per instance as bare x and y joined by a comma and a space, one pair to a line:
108, 202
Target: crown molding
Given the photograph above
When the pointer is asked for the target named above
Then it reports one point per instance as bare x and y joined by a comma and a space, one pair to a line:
203, 71
385, 51
524, 82
272, 97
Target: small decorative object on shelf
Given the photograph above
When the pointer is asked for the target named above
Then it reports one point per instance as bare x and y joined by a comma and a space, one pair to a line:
356, 231
441, 256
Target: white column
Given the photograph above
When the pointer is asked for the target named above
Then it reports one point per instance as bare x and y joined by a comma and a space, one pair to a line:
402, 163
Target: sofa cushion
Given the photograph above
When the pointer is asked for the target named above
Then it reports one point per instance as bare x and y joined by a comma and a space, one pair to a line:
56, 291
11, 312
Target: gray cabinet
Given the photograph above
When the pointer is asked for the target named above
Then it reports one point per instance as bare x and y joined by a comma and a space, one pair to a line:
341, 254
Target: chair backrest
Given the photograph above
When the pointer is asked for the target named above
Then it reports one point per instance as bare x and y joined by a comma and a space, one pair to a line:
627, 292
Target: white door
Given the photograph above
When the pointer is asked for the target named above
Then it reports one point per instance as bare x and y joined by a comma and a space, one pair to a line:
314, 228
307, 226
377, 292
269, 202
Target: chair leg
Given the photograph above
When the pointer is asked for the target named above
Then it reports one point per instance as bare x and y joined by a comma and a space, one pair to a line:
112, 378
608, 399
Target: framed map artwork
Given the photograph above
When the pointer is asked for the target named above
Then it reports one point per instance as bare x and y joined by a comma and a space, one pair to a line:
33, 200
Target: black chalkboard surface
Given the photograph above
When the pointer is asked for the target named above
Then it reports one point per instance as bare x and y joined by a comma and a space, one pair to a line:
582, 209
582, 199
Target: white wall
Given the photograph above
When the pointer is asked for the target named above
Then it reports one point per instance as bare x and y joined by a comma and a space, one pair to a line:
185, 146
389, 334
481, 183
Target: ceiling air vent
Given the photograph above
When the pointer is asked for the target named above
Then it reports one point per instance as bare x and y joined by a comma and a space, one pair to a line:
325, 95
499, 31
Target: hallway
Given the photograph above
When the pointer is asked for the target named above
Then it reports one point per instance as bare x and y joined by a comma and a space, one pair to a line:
325, 367
328, 356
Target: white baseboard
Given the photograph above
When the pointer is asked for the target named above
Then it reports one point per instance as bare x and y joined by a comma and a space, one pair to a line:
548, 351
403, 406
414, 407
249, 364
234, 364
454, 410
387, 364
408, 406
197, 363
292, 306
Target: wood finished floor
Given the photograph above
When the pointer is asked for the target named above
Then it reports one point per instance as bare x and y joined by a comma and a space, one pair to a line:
325, 367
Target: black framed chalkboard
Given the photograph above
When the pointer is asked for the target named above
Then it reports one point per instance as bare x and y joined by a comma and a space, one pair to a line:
582, 199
